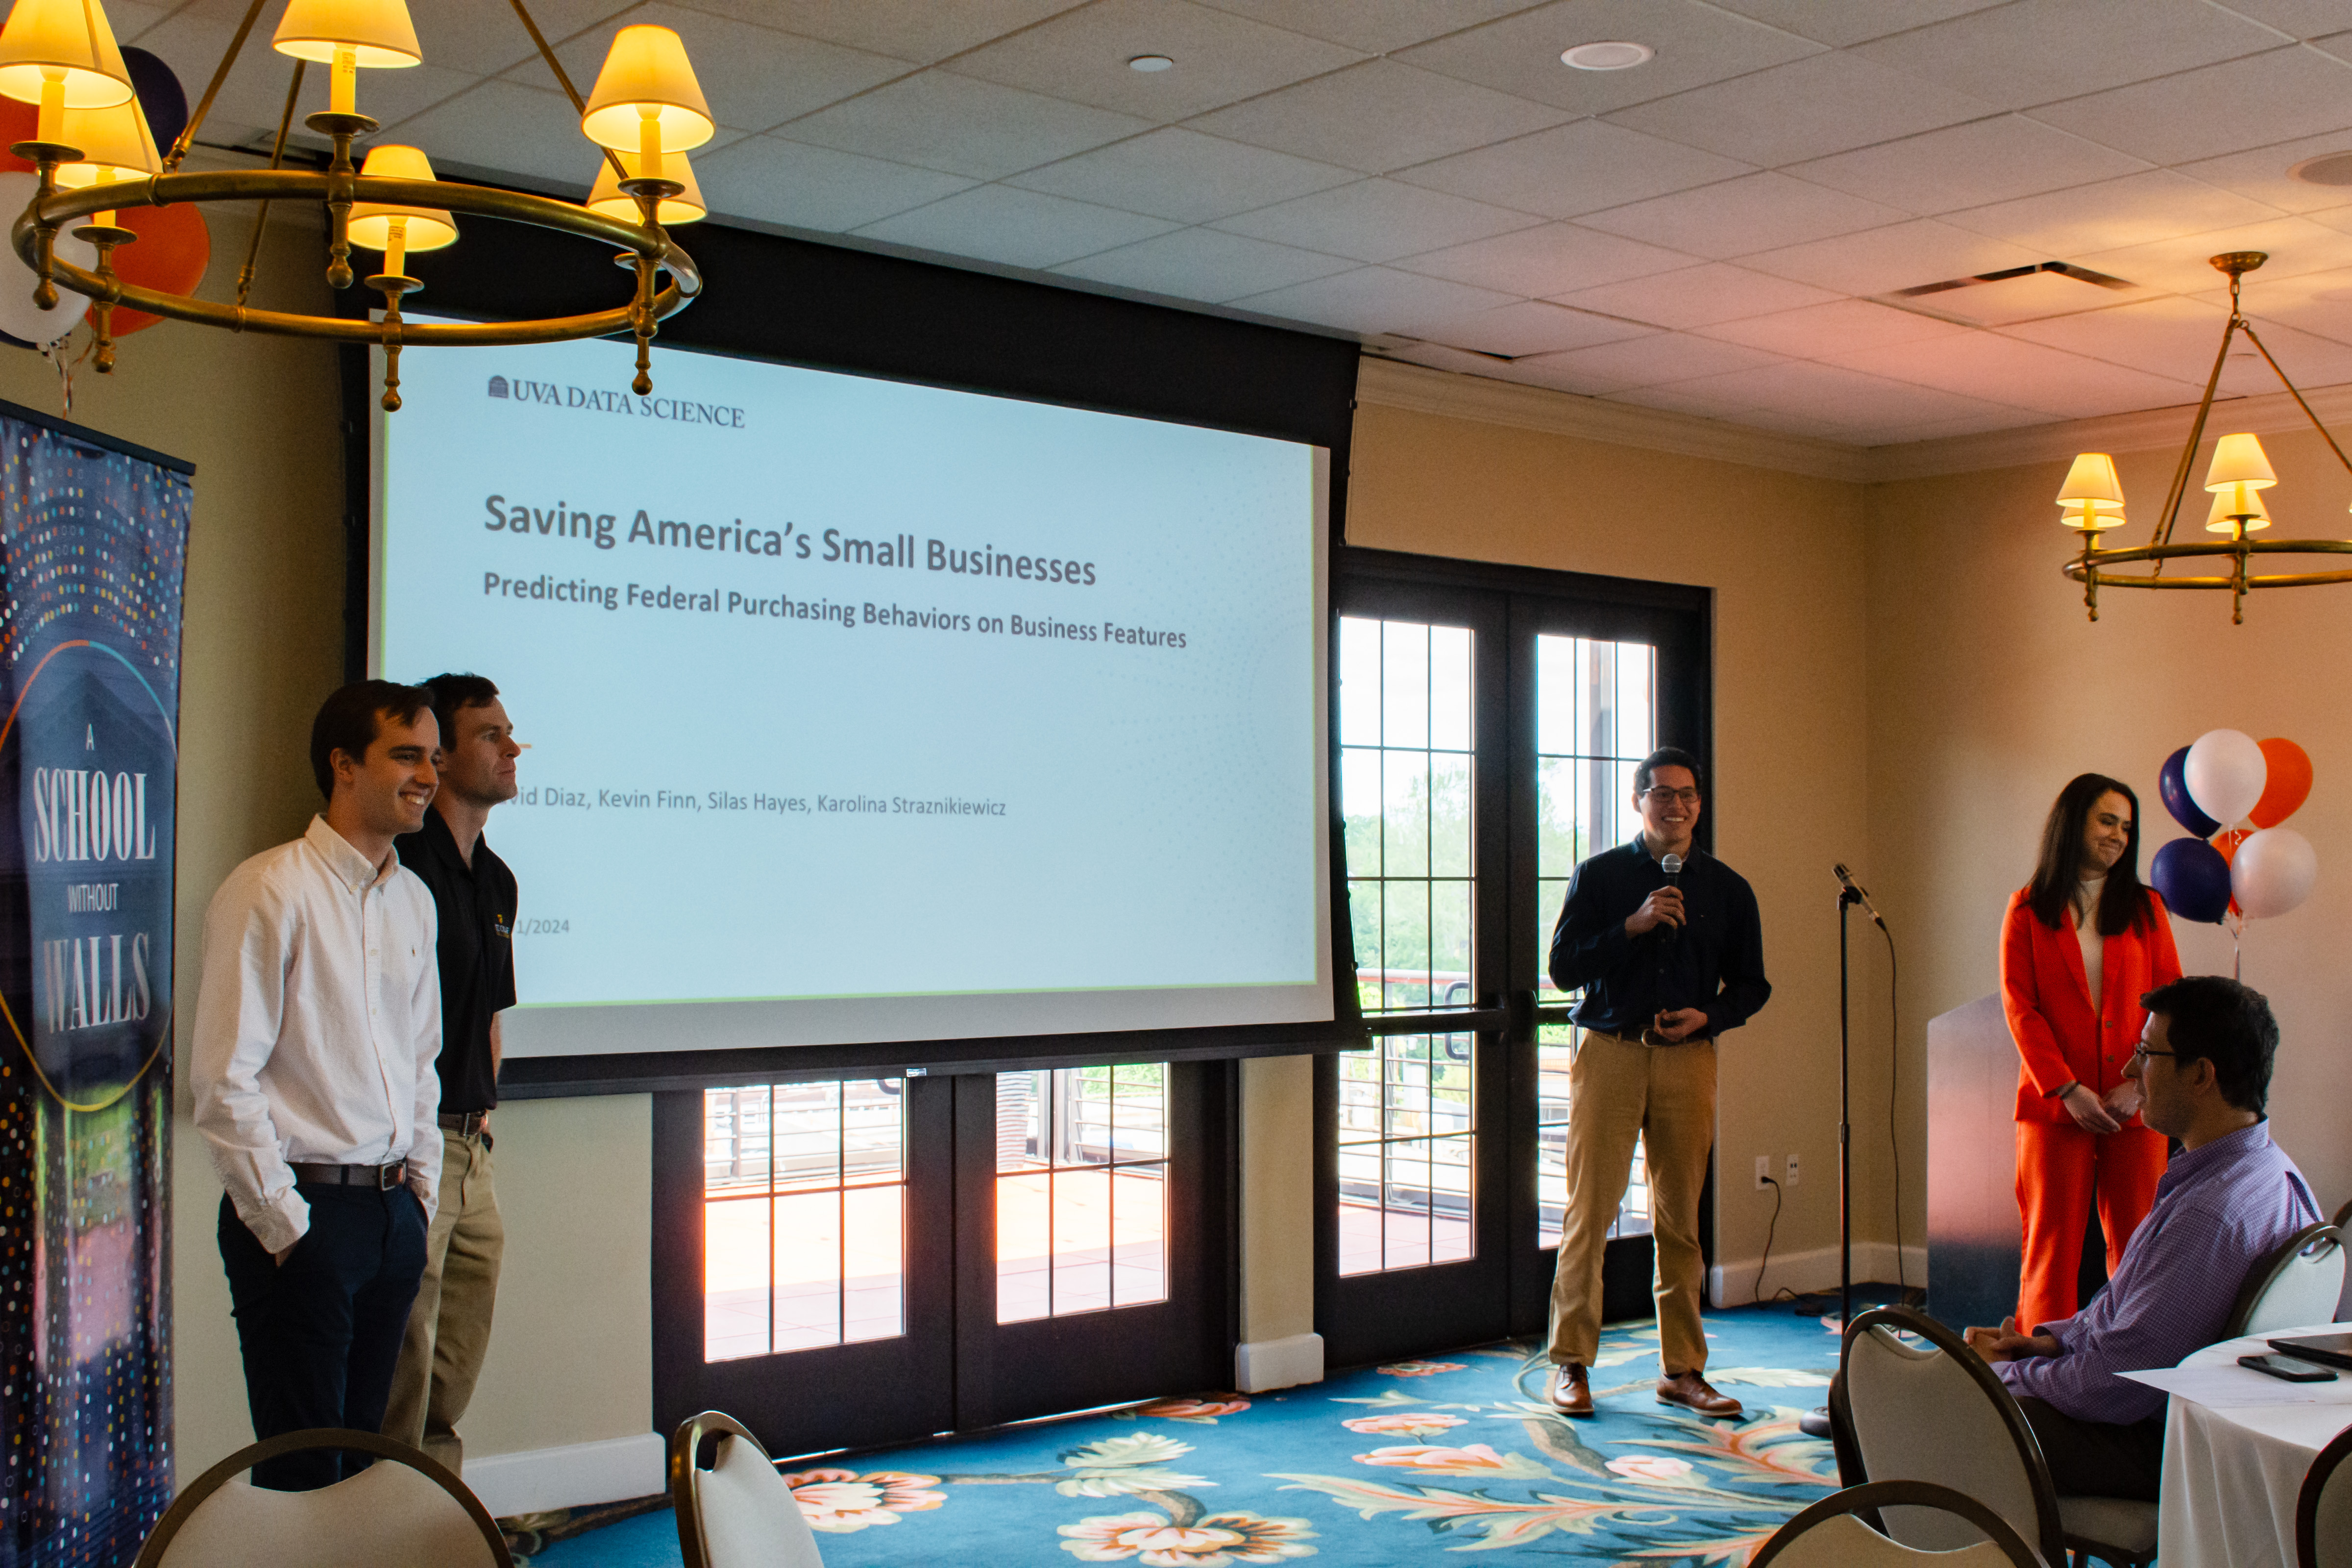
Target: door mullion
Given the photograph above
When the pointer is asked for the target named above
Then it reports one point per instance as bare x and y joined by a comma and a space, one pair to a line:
972, 1243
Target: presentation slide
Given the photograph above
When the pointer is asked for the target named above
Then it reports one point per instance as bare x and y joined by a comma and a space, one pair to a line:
864, 711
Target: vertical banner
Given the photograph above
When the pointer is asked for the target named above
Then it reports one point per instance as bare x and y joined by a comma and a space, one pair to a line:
93, 539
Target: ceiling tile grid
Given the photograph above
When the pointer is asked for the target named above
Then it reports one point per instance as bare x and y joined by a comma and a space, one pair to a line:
1722, 230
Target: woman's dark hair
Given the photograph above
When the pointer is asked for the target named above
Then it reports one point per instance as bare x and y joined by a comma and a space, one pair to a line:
2123, 902
2213, 1018
350, 719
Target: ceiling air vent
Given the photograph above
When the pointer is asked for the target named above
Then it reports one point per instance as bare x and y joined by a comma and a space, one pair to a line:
2014, 294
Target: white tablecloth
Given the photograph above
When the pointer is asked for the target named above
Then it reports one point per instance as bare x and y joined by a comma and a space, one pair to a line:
2232, 1477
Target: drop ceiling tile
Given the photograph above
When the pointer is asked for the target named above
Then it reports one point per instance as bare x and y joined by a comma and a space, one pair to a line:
962, 125
2181, 266
2335, 41
1801, 389
752, 77
1204, 264
1531, 327
1968, 165
1547, 262
2113, 213
2251, 102
1840, 22
2300, 18
1375, 220
794, 184
465, 35
1220, 58
2318, 302
1806, 108
1996, 369
1579, 167
1018, 228
1755, 212
532, 131
1375, 26
2177, 338
1841, 326
191, 42
919, 30
2038, 51
1696, 44
1677, 398
1373, 299
1182, 174
2260, 172
1696, 295
1379, 116
1649, 362
1901, 256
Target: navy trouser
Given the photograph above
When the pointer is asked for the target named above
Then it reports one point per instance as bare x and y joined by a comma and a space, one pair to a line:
320, 1333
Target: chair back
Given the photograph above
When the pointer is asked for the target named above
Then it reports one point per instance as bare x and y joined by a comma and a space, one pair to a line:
739, 1513
1935, 1412
2298, 1283
2323, 1513
1829, 1535
403, 1509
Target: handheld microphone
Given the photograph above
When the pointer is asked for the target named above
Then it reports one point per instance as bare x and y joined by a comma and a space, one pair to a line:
1672, 864
1845, 879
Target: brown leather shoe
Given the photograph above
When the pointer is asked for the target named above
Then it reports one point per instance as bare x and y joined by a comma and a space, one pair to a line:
1692, 1392
1569, 1392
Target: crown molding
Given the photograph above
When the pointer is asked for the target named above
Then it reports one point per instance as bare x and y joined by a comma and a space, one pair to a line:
1392, 383
2147, 430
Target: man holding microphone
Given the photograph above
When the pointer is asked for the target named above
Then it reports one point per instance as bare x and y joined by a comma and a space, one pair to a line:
1665, 942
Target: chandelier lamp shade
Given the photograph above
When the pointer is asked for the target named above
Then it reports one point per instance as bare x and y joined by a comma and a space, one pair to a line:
2091, 501
95, 155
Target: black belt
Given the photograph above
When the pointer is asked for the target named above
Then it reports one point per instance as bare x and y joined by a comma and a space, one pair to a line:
383, 1178
468, 1123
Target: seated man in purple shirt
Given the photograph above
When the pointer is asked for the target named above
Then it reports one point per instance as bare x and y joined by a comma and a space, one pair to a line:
2229, 1197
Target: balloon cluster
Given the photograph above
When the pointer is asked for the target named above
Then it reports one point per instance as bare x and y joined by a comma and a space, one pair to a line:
2227, 778
173, 248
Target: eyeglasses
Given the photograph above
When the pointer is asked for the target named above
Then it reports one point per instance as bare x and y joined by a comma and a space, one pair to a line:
2143, 1053
1661, 796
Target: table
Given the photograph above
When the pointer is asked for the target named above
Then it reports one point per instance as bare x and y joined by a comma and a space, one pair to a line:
2232, 1476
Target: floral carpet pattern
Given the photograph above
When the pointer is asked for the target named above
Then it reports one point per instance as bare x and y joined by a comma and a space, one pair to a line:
1392, 1465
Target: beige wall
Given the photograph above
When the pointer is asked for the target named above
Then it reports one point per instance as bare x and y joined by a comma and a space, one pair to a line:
1989, 690
1785, 557
262, 644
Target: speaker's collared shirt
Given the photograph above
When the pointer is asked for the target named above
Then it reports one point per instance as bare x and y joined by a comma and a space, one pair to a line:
475, 908
316, 1028
1714, 961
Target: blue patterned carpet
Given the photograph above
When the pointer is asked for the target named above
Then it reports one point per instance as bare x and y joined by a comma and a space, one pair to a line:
1388, 1466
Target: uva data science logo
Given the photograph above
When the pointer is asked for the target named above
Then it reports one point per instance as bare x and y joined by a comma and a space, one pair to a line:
499, 386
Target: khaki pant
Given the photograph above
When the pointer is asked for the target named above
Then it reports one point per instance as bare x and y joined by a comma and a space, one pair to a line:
449, 1327
1619, 1090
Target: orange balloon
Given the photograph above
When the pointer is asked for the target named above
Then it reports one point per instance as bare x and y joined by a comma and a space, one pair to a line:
18, 123
171, 253
2289, 784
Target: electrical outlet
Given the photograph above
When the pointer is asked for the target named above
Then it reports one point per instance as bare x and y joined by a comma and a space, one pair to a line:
1792, 1170
1763, 1171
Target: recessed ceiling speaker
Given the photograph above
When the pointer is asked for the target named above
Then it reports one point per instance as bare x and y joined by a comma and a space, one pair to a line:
1608, 57
1148, 63
2328, 168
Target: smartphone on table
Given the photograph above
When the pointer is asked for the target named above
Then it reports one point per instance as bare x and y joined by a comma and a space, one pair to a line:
2287, 1369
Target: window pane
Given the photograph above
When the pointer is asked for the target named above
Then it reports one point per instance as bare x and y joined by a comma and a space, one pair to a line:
1404, 684
1025, 1251
1081, 1241
1139, 1234
1081, 1190
808, 1270
1360, 682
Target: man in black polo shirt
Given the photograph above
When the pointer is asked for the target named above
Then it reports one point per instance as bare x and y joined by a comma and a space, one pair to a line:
1664, 940
474, 894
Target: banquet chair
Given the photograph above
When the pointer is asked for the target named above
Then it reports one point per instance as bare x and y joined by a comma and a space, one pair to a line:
1830, 1535
2323, 1513
739, 1513
2298, 1283
1936, 1412
2343, 1302
401, 1510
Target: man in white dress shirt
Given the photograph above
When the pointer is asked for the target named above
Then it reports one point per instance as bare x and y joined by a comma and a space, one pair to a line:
316, 1030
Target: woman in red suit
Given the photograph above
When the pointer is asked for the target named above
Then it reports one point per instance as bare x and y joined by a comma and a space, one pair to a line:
2079, 945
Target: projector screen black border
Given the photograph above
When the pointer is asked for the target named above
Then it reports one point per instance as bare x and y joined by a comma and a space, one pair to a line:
902, 318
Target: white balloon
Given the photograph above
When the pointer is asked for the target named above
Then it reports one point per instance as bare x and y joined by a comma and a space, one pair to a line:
2225, 773
2273, 872
19, 317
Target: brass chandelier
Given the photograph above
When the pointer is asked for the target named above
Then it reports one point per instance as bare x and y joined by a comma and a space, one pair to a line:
96, 156
2092, 499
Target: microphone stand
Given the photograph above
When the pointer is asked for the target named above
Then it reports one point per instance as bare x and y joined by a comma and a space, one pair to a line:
1816, 1423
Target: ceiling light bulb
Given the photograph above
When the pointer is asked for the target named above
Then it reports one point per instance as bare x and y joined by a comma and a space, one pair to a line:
2239, 460
2237, 503
67, 45
1150, 63
427, 228
378, 33
646, 99
1613, 55
2089, 518
2092, 482
115, 144
687, 206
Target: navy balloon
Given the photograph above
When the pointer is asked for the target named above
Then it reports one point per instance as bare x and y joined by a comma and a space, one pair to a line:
161, 97
2172, 783
2194, 879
